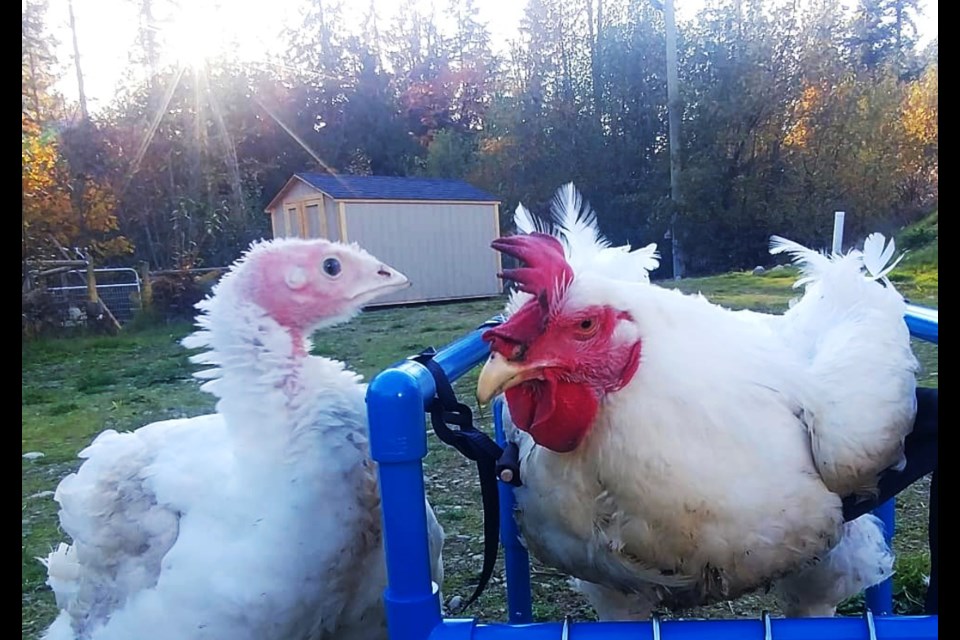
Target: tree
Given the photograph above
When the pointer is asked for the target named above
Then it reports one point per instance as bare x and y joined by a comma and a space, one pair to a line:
739, 76
63, 203
473, 69
38, 66
791, 111
192, 184
451, 154
60, 207
921, 149
884, 33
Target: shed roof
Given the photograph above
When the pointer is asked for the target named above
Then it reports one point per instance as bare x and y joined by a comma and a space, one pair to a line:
343, 187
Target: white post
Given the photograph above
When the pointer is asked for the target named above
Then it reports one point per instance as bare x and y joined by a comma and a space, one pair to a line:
838, 231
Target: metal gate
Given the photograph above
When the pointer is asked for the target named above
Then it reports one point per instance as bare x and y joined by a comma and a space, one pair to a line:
119, 289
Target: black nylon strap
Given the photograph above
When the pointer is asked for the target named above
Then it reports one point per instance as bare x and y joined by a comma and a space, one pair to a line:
477, 446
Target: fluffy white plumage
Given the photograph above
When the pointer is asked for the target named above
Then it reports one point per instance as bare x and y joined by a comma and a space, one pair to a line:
261, 521
720, 466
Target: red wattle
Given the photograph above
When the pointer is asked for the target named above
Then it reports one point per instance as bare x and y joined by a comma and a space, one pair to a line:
556, 414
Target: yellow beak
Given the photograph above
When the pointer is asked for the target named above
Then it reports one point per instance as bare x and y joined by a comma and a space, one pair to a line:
498, 375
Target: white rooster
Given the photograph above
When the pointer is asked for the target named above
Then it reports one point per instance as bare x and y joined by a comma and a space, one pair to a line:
675, 453
261, 521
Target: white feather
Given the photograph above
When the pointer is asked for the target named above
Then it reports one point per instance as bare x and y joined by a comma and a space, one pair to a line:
578, 222
811, 263
526, 222
876, 257
861, 559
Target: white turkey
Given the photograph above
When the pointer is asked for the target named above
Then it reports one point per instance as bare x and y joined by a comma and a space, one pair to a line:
675, 453
260, 521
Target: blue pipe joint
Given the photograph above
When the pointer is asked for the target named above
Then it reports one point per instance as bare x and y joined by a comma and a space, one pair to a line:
414, 617
398, 442
516, 560
394, 399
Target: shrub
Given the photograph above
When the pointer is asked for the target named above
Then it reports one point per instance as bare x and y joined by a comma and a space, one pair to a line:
175, 294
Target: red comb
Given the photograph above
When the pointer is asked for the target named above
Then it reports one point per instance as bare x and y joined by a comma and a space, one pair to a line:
545, 274
546, 270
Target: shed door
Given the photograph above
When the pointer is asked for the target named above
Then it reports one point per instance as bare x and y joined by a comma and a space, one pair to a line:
293, 222
311, 211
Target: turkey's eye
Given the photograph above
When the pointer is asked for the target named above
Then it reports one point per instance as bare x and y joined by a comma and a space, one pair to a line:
331, 267
586, 325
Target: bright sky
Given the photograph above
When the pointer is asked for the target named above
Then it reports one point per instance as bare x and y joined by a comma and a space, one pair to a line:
107, 28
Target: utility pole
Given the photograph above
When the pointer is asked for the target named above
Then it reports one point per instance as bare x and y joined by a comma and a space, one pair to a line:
76, 61
673, 119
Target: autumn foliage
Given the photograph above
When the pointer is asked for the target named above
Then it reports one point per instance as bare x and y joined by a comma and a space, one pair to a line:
60, 207
787, 116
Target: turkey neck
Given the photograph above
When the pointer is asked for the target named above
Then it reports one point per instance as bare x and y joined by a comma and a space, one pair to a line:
280, 404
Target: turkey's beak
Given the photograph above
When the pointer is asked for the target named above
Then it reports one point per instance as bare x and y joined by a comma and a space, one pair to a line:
386, 280
497, 376
391, 279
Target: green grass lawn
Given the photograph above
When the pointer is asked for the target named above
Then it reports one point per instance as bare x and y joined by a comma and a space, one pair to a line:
73, 388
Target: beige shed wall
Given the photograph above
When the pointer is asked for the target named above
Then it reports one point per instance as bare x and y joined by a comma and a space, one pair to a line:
444, 248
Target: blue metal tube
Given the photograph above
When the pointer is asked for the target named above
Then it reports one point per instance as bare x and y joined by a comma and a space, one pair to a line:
887, 628
398, 442
516, 560
459, 357
880, 597
923, 322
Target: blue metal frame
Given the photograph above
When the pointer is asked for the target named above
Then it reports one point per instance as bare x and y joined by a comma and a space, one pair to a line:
516, 560
922, 322
396, 401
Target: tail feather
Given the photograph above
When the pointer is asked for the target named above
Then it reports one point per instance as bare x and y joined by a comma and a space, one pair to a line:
877, 253
812, 263
874, 257
646, 258
574, 223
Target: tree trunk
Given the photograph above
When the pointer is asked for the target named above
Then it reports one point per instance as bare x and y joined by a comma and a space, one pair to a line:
76, 62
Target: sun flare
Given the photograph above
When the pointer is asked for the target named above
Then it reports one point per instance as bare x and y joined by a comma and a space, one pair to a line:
196, 31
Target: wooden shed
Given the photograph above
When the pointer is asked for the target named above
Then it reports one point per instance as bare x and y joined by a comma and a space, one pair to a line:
437, 232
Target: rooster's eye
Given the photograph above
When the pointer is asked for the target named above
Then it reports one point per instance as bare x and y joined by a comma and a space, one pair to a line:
586, 328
